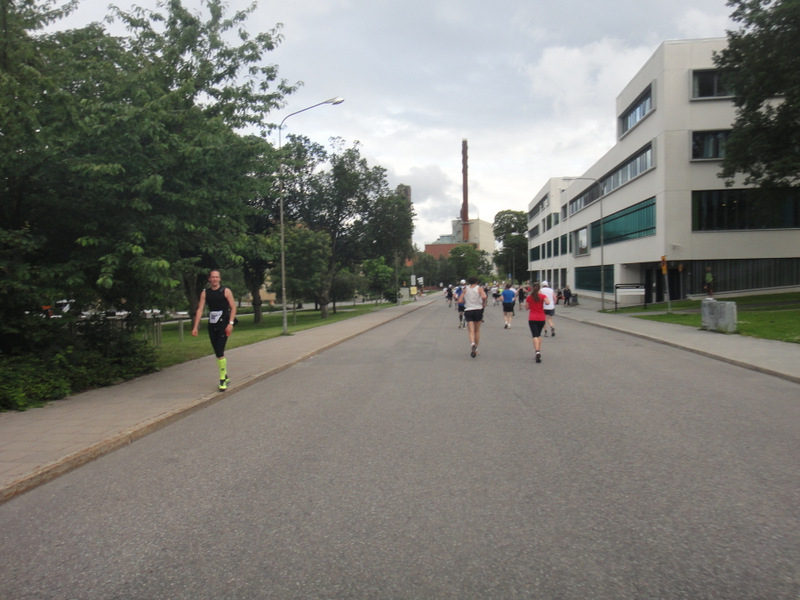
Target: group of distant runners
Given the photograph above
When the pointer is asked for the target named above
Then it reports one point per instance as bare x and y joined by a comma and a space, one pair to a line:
470, 299
539, 299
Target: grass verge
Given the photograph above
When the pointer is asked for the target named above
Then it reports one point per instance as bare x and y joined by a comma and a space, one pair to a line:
771, 316
174, 351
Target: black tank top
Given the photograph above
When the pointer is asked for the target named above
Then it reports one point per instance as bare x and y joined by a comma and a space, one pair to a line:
217, 302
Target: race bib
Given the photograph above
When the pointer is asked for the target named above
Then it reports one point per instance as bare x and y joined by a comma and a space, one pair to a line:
214, 316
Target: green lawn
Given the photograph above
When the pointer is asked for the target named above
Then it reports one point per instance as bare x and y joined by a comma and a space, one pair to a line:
771, 316
174, 351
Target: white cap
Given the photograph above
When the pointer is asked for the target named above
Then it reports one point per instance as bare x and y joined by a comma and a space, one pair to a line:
545, 284
463, 281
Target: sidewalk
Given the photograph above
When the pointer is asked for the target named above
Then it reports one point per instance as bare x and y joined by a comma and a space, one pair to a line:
780, 359
38, 445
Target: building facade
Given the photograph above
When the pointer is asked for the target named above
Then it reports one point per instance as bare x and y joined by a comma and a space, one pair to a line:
657, 195
478, 233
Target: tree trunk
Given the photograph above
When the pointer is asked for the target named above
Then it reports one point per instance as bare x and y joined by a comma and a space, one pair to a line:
257, 304
192, 286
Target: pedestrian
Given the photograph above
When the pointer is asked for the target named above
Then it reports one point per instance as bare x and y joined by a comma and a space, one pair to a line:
509, 301
709, 283
448, 294
221, 317
521, 295
495, 294
459, 304
549, 307
536, 318
567, 293
474, 298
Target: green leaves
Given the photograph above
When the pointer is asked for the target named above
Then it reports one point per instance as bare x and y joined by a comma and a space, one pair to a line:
121, 168
762, 66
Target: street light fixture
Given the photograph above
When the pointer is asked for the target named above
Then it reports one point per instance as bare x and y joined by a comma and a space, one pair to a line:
602, 240
336, 100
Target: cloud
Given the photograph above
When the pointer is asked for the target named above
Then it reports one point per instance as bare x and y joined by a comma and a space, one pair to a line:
530, 84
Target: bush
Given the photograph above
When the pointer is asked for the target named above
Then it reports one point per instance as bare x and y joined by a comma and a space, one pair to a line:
103, 354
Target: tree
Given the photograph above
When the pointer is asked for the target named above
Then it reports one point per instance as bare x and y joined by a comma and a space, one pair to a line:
508, 223
761, 67
379, 275
121, 173
352, 203
467, 260
307, 256
510, 229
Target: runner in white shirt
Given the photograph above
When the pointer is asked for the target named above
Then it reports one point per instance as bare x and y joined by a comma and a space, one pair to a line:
474, 298
549, 307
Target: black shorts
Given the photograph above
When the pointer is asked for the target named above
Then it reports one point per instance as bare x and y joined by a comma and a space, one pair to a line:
508, 307
473, 316
536, 328
550, 312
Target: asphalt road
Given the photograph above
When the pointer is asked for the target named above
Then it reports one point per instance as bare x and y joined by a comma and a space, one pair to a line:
396, 466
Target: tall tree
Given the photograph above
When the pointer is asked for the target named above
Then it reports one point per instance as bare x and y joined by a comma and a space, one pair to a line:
307, 258
121, 162
352, 203
761, 67
510, 229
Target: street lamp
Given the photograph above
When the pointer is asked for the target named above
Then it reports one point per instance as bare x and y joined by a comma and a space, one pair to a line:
602, 241
336, 100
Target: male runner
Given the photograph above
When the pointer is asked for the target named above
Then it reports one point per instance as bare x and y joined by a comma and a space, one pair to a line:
221, 313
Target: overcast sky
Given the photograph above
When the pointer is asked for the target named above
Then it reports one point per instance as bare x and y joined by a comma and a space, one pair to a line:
531, 84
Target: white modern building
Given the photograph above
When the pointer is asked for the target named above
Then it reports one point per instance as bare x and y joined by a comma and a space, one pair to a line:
656, 194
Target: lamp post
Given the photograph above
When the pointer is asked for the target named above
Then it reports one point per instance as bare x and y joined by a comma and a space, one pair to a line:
602, 241
336, 100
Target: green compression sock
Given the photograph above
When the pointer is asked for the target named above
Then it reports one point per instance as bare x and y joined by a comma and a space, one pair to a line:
223, 368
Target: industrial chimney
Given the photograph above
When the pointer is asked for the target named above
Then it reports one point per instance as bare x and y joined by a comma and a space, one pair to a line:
465, 192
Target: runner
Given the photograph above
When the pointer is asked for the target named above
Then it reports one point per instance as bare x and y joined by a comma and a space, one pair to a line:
474, 298
221, 314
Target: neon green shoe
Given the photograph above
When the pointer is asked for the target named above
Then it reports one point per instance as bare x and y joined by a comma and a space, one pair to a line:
223, 384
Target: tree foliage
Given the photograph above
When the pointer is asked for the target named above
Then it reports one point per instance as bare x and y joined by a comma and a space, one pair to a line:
761, 67
351, 202
510, 229
121, 172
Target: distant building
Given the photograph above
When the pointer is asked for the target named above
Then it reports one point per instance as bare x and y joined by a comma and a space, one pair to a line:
480, 234
656, 193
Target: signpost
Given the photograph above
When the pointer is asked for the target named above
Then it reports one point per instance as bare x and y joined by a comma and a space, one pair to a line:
666, 282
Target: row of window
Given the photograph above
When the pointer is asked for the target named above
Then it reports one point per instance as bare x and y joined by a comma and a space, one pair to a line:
716, 210
712, 210
638, 111
706, 83
631, 223
630, 169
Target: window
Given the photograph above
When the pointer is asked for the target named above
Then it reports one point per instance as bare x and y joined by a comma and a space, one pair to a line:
638, 111
631, 223
589, 278
582, 241
534, 254
721, 210
564, 248
708, 144
707, 84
